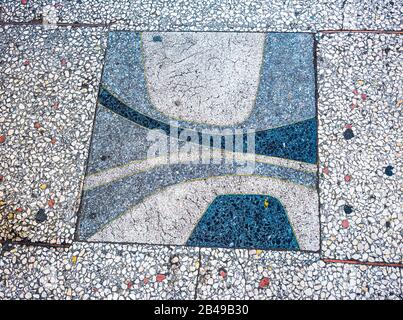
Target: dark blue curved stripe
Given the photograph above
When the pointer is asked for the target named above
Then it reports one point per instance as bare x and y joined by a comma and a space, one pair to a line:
243, 221
295, 142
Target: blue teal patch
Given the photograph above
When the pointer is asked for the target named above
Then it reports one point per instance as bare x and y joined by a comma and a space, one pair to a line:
244, 221
389, 171
157, 39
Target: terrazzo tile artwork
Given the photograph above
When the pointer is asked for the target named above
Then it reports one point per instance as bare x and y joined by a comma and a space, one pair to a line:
205, 139
206, 150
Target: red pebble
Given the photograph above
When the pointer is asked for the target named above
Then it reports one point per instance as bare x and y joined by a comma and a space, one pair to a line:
364, 97
129, 284
347, 178
348, 126
63, 61
26, 62
325, 170
355, 91
264, 283
2, 138
37, 125
223, 273
1, 178
160, 277
24, 2
19, 209
51, 203
345, 224
145, 280
53, 140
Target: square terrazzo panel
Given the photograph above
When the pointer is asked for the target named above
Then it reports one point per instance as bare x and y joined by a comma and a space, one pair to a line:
205, 139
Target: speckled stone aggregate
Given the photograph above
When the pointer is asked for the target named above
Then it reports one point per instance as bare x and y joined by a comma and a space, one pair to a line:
48, 86
291, 275
212, 15
199, 77
101, 271
360, 91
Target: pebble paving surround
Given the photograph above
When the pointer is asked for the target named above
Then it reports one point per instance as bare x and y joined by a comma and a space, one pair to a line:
213, 15
282, 110
48, 96
360, 89
172, 271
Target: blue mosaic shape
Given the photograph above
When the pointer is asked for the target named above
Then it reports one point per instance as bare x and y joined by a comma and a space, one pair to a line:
244, 221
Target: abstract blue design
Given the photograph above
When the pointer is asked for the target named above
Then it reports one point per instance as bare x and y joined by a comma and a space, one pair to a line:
284, 121
105, 203
244, 221
295, 142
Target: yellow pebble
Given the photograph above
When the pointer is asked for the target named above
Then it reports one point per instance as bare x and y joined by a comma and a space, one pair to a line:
2, 203
23, 234
360, 82
74, 259
197, 264
10, 216
258, 252
43, 186
266, 203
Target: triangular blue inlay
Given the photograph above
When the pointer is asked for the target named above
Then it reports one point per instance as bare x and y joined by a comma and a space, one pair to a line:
244, 221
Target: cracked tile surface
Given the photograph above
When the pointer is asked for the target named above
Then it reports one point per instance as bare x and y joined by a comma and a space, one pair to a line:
291, 275
211, 97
